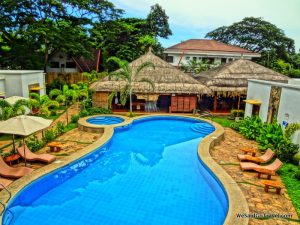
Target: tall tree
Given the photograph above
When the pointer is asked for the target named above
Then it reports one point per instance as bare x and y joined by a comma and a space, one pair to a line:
257, 35
43, 26
157, 21
126, 38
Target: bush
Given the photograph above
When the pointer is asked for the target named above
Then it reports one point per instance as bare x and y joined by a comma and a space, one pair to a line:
235, 125
237, 113
34, 143
297, 174
49, 135
296, 159
75, 118
130, 114
84, 113
250, 127
60, 127
53, 113
95, 110
286, 151
291, 128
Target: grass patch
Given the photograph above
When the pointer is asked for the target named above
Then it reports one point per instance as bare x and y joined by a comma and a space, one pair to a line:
223, 121
62, 154
292, 184
5, 137
70, 126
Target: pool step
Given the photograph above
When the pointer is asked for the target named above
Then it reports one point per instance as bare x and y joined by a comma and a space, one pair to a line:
202, 128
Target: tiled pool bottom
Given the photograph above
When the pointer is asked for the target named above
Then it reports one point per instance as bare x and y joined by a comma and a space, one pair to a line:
130, 186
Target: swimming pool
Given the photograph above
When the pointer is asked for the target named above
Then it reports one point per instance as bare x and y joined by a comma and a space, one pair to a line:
148, 173
105, 120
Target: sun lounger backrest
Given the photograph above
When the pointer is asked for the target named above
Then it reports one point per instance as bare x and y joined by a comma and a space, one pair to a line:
275, 165
268, 155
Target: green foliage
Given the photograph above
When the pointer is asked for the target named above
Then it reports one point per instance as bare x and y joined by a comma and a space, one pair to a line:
223, 121
129, 75
75, 118
94, 76
95, 110
7, 111
235, 125
130, 114
257, 35
157, 21
268, 135
291, 128
195, 66
237, 113
84, 113
290, 177
250, 127
49, 135
296, 158
126, 38
297, 175
34, 143
31, 30
60, 127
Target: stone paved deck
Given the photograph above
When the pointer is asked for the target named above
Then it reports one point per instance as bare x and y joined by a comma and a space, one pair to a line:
258, 200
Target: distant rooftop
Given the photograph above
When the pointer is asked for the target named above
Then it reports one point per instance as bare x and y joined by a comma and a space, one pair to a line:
208, 45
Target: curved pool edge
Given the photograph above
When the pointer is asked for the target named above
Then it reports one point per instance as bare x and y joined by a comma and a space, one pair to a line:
236, 200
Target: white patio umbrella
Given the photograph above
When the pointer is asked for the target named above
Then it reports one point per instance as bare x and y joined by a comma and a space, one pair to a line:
24, 125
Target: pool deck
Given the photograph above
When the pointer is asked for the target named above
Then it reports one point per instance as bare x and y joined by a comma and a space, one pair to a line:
211, 144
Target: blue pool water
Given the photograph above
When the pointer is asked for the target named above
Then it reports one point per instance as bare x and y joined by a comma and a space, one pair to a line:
148, 173
105, 120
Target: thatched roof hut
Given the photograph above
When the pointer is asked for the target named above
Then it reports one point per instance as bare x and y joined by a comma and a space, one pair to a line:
233, 76
166, 78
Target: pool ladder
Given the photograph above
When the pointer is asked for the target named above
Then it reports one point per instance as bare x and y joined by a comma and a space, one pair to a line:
9, 196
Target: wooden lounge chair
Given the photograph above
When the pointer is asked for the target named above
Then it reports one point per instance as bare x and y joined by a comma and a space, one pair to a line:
4, 183
268, 169
30, 156
260, 159
12, 172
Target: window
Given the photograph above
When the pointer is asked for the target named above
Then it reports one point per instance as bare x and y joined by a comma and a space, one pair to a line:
54, 64
70, 65
194, 58
187, 58
230, 59
223, 60
208, 60
170, 59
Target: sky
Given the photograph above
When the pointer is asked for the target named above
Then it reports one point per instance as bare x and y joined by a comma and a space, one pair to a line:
194, 18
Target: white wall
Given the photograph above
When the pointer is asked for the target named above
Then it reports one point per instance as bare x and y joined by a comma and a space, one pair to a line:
260, 92
289, 104
16, 81
62, 58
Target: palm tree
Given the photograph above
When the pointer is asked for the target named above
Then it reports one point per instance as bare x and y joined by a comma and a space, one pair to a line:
8, 110
43, 104
129, 75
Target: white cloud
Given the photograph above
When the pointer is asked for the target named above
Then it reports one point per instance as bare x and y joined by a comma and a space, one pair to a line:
208, 15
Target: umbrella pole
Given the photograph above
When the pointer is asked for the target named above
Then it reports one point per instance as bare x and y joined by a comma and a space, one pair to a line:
14, 145
24, 150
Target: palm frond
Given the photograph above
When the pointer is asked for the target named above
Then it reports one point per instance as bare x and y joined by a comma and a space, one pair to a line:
124, 93
4, 104
143, 66
54, 93
110, 97
149, 82
35, 96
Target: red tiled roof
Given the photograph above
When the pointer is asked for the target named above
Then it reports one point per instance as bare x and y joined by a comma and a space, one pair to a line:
207, 45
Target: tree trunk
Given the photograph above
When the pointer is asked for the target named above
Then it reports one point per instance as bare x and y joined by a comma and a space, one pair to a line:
46, 55
130, 100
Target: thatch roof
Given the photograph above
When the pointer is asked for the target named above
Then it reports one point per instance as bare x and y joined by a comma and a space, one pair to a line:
166, 78
234, 76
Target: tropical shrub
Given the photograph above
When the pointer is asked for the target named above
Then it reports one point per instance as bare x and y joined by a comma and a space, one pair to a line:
75, 118
50, 135
235, 125
34, 143
286, 151
60, 127
291, 128
237, 113
297, 174
250, 127
95, 110
84, 113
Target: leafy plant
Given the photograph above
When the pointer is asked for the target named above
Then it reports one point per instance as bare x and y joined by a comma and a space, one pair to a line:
237, 113
75, 118
286, 151
250, 127
297, 174
291, 128
235, 125
34, 143
49, 135
60, 127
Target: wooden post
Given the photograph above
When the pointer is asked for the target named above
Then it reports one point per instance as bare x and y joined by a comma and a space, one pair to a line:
215, 102
239, 101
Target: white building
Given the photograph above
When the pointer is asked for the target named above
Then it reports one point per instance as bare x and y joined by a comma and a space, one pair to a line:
21, 82
211, 51
271, 100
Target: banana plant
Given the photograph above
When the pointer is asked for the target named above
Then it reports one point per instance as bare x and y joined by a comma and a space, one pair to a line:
42, 105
